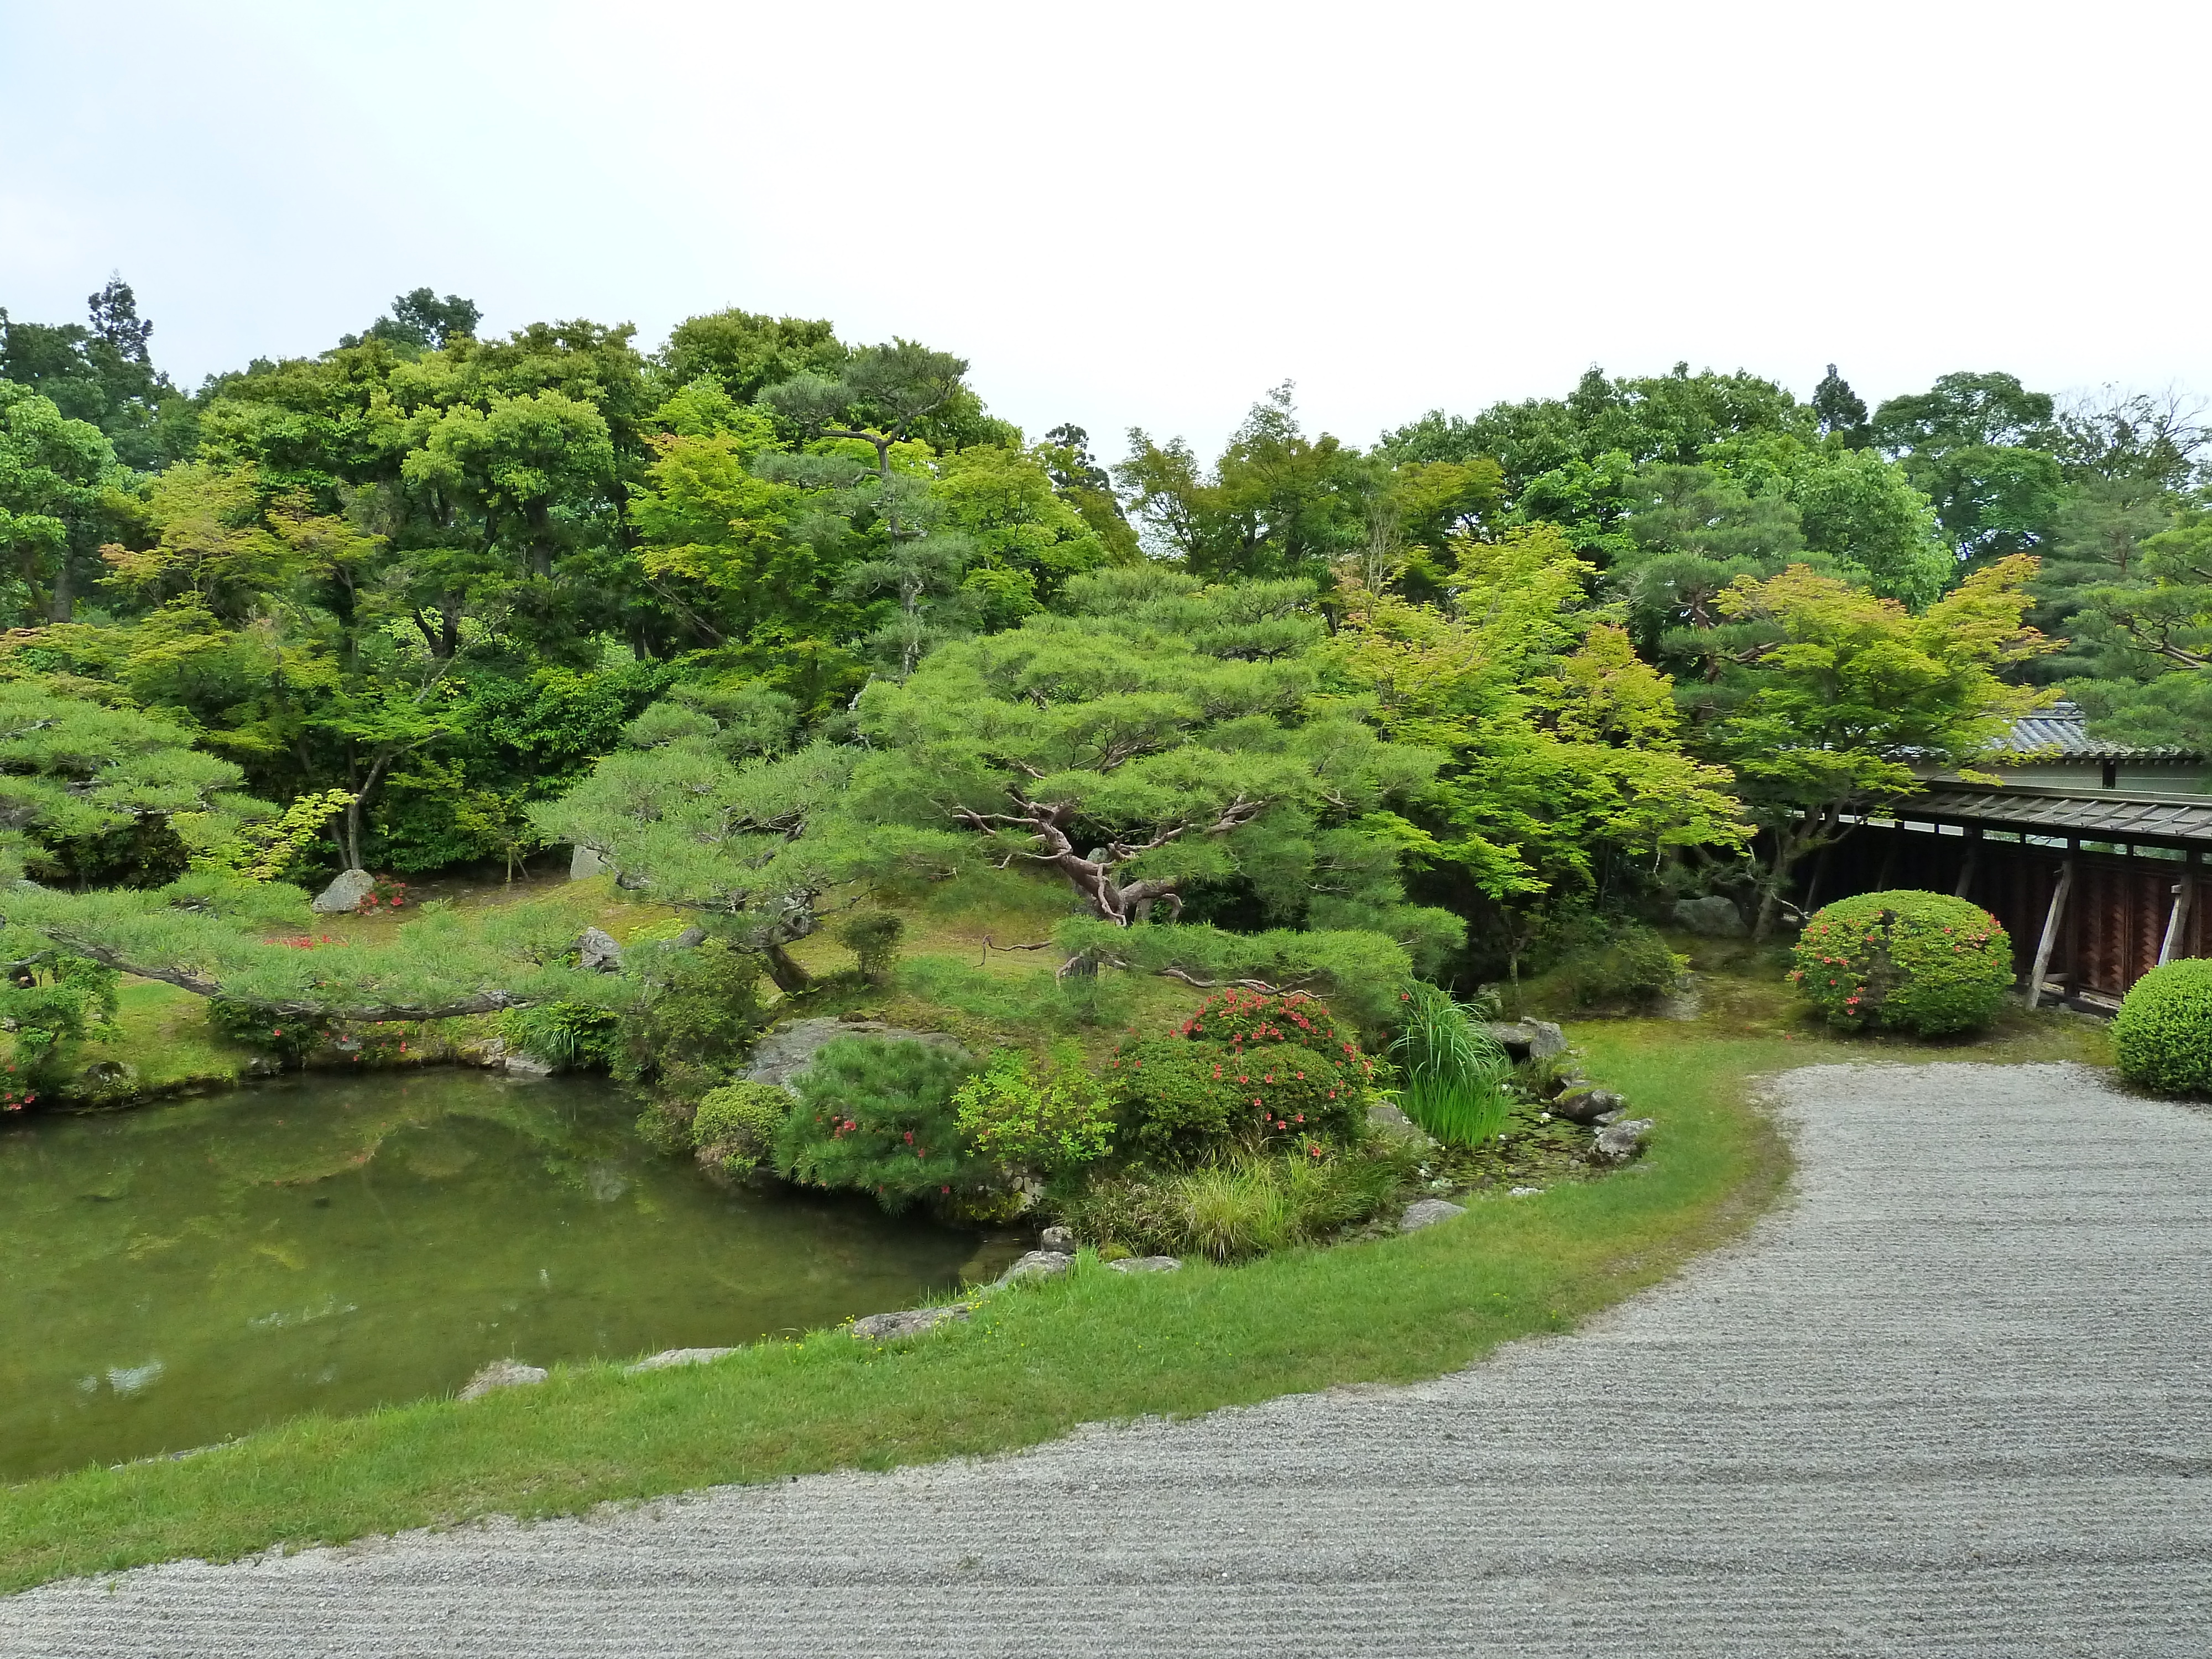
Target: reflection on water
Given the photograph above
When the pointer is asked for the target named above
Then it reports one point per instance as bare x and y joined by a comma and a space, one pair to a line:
177, 1275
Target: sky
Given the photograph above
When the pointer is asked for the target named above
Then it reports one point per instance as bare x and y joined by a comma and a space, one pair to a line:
1147, 215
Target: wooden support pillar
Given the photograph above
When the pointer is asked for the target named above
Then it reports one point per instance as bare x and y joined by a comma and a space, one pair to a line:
1974, 857
2050, 924
2177, 921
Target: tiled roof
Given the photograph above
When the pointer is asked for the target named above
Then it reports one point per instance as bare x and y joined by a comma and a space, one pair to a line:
2064, 729
2105, 815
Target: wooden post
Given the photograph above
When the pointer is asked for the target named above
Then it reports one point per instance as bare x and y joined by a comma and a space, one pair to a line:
2178, 918
2051, 921
1967, 870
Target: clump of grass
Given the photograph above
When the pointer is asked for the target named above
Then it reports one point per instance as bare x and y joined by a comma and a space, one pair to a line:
1234, 1208
1455, 1072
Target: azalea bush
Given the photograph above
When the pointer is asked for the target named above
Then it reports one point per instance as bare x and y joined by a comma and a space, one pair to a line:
876, 1115
2162, 1036
1247, 1071
1907, 961
736, 1125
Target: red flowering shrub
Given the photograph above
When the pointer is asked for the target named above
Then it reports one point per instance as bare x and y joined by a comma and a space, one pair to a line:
1247, 1071
1905, 960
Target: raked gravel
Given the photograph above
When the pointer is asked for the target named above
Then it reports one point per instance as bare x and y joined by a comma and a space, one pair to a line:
1953, 1396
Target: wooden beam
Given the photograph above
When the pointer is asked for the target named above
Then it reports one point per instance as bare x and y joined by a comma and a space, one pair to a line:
2051, 921
1967, 870
2178, 918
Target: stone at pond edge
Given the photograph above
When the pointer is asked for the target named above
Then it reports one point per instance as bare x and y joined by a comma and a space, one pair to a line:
524, 1066
585, 863
598, 953
1391, 1123
1146, 1264
912, 1322
1061, 1239
668, 1356
502, 1374
1616, 1143
1585, 1105
1528, 1039
1036, 1264
344, 894
1427, 1213
1714, 917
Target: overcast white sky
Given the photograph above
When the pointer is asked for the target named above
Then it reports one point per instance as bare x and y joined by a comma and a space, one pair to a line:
1141, 213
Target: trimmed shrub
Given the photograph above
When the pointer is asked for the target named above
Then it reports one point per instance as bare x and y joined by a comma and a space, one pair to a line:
2162, 1036
1621, 962
1909, 961
875, 1116
1041, 1124
873, 937
736, 1125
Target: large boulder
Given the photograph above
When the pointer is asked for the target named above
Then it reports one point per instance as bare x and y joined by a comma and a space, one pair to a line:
1712, 916
1392, 1124
343, 897
1037, 1264
598, 953
1528, 1039
787, 1051
1585, 1105
585, 863
1146, 1264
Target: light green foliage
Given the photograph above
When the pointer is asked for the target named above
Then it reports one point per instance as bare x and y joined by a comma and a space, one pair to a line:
1360, 971
737, 1124
877, 1116
1236, 1208
1022, 529
873, 937
1905, 961
52, 1005
1839, 694
60, 498
2162, 1036
1046, 1124
1454, 1071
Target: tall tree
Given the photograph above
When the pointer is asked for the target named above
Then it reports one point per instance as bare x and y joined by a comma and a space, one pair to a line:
1842, 413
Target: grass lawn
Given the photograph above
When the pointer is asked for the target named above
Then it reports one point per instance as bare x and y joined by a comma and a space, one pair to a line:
1036, 1361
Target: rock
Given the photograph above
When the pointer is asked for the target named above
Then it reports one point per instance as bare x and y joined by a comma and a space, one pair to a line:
585, 863
784, 1052
1146, 1264
598, 953
1616, 1143
502, 1374
1524, 1191
690, 939
1427, 1213
1713, 917
1037, 1264
1061, 1239
1585, 1105
888, 1328
1392, 1123
668, 1356
343, 896
524, 1066
1528, 1039
264, 1066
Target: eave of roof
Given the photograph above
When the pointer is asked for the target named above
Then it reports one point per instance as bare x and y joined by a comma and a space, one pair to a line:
2106, 815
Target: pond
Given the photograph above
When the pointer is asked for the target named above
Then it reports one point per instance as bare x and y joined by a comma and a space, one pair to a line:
177, 1275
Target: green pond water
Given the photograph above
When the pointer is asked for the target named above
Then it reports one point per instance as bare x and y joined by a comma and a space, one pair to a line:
177, 1275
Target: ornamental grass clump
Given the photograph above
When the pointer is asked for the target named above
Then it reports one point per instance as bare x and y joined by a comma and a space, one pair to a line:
1905, 961
1455, 1072
1247, 1072
2162, 1036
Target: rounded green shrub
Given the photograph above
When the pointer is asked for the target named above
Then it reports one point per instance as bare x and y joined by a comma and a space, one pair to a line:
2162, 1036
876, 1115
1906, 961
1044, 1123
736, 1124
